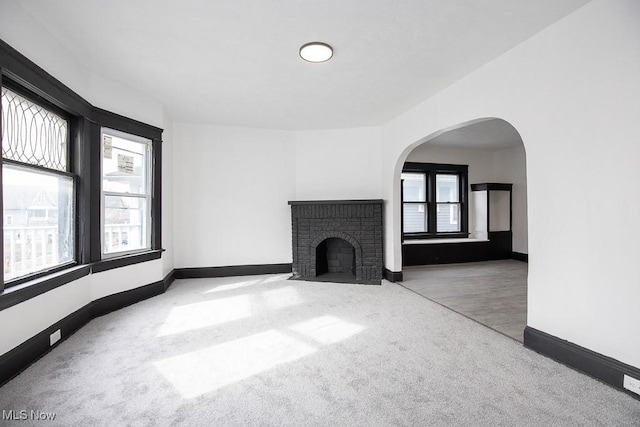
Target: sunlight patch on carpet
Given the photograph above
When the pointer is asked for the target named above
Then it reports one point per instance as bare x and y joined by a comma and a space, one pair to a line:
208, 313
281, 297
202, 371
327, 329
276, 278
231, 286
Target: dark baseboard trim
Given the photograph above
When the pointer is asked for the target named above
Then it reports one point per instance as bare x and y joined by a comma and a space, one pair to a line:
520, 256
20, 358
168, 279
235, 270
392, 276
603, 368
114, 302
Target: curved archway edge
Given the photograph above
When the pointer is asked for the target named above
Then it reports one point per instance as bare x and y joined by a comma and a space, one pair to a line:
393, 264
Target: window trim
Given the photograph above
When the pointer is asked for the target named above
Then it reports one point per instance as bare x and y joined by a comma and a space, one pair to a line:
431, 170
85, 122
68, 173
147, 195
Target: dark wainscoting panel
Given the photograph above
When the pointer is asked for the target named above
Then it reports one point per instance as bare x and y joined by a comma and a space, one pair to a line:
498, 247
235, 270
596, 365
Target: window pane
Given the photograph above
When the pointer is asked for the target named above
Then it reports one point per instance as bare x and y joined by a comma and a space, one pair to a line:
124, 166
125, 222
38, 221
32, 134
447, 188
448, 217
125, 170
415, 217
413, 187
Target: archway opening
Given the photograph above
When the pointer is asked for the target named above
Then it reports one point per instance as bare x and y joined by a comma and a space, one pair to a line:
469, 261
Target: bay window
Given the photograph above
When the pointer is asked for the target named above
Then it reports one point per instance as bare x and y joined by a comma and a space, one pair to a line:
80, 187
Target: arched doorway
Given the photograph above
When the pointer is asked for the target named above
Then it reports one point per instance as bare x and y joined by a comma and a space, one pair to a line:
444, 251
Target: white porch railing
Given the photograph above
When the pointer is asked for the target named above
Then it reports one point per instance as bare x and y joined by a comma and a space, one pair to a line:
29, 249
122, 237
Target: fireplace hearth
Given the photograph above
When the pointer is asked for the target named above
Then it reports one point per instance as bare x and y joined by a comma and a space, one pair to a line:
337, 240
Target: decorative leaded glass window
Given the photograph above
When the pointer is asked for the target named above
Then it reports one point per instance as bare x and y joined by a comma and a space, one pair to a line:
38, 191
32, 134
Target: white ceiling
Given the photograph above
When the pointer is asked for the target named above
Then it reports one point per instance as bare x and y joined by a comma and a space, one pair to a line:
235, 62
493, 134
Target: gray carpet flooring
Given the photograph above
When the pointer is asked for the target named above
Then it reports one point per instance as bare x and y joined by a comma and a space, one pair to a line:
262, 350
493, 293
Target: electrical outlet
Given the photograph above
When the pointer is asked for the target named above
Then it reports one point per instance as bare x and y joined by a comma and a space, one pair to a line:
631, 384
54, 337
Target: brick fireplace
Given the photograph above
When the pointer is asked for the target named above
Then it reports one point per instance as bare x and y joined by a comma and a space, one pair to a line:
337, 240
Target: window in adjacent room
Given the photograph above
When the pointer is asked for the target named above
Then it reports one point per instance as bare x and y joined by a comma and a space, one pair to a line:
126, 193
447, 203
38, 189
415, 202
434, 200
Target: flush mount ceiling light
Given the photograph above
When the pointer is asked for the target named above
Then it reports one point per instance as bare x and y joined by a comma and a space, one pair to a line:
316, 52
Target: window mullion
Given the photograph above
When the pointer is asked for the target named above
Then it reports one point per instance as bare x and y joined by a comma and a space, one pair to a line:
431, 202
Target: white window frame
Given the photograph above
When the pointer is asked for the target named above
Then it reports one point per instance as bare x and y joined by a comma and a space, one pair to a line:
147, 226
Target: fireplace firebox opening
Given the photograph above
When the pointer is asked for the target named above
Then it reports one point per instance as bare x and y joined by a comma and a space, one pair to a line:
335, 257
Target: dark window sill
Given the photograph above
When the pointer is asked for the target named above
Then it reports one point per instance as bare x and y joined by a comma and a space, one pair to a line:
123, 261
19, 293
33, 278
27, 290
415, 236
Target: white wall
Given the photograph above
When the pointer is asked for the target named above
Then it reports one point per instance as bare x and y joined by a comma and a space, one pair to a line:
125, 278
232, 188
572, 92
240, 180
167, 195
36, 314
481, 162
487, 165
338, 164
26, 35
20, 31
510, 166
